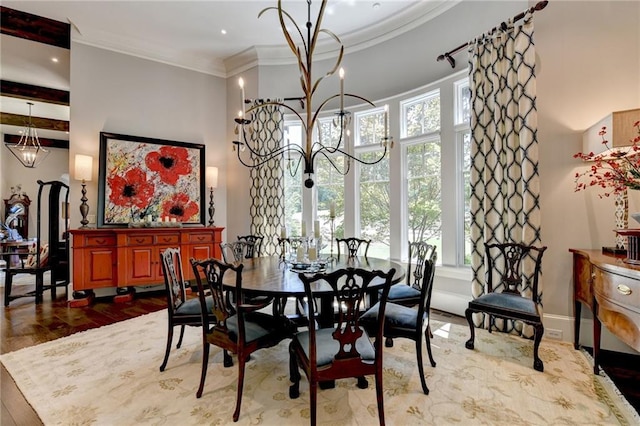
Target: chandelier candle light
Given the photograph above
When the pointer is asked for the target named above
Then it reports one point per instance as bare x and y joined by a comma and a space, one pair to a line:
212, 183
83, 171
309, 149
28, 149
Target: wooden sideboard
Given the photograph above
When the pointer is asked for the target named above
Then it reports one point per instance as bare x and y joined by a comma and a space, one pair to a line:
610, 287
126, 257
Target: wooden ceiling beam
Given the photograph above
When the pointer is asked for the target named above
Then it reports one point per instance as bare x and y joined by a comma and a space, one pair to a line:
38, 122
36, 28
46, 142
34, 93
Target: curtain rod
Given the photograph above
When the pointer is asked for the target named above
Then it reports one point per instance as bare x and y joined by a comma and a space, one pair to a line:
539, 6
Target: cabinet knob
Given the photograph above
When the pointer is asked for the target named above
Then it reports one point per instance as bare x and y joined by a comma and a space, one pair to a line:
623, 289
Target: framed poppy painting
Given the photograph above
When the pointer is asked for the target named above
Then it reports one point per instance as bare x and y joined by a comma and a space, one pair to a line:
145, 180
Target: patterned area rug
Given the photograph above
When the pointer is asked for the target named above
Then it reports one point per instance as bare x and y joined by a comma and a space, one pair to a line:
110, 376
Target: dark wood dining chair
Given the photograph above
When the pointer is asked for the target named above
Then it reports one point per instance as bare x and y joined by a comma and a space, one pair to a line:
353, 246
233, 252
506, 262
408, 322
344, 350
254, 246
242, 330
49, 253
181, 311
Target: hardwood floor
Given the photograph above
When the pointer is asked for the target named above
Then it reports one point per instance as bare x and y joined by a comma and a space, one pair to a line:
26, 324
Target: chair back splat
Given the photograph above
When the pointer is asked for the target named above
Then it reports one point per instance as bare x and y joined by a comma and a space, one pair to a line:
254, 246
514, 293
241, 329
353, 245
344, 350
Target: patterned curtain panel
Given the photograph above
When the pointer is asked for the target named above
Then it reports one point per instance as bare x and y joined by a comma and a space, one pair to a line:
267, 183
504, 150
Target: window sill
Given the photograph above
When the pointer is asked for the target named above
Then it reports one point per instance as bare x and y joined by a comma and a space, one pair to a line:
462, 273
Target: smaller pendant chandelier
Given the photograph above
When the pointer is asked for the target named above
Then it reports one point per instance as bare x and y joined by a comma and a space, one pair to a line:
28, 149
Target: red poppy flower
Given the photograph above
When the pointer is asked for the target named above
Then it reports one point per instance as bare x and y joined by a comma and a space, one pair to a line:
170, 163
131, 190
180, 207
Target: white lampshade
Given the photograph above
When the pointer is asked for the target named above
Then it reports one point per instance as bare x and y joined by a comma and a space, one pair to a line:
83, 167
212, 177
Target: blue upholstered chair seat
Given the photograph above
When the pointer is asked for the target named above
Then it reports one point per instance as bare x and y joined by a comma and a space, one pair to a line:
256, 326
395, 316
328, 346
512, 302
192, 307
403, 291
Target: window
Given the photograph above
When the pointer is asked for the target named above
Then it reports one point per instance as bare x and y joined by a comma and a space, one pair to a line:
418, 192
292, 179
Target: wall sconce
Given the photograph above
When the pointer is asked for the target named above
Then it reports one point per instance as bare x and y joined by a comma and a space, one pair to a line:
83, 171
212, 182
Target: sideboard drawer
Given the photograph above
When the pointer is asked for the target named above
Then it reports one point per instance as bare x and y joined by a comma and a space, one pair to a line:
167, 239
100, 241
200, 238
618, 289
140, 240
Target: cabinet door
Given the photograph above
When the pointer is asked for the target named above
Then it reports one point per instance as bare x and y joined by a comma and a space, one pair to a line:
140, 268
98, 269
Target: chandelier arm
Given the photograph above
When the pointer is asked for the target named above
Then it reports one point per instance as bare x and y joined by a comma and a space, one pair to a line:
281, 104
330, 160
268, 155
264, 159
295, 171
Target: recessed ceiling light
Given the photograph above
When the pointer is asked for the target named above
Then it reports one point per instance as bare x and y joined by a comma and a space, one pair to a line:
376, 6
54, 60
223, 32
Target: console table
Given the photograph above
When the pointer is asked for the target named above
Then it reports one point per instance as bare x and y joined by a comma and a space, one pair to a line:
126, 257
610, 287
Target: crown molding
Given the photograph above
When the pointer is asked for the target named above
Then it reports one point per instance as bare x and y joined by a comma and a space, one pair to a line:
407, 20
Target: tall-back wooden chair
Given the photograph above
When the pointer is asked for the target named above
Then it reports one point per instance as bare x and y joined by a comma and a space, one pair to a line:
254, 246
180, 310
344, 350
408, 322
353, 246
241, 330
50, 255
504, 299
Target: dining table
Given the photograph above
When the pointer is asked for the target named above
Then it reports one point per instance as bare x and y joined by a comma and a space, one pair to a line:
273, 277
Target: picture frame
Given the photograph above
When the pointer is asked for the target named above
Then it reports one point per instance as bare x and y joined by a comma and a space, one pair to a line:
144, 181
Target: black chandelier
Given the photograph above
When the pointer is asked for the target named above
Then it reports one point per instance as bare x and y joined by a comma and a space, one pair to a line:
308, 150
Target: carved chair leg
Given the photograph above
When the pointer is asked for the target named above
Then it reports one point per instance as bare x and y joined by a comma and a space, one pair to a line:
380, 396
166, 352
388, 342
423, 381
313, 401
469, 315
181, 335
227, 360
203, 373
294, 375
428, 342
241, 361
537, 362
362, 382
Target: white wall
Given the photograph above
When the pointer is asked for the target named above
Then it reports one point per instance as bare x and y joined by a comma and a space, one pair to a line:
122, 94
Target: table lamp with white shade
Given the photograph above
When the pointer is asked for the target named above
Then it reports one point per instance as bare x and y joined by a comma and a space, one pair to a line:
82, 171
212, 182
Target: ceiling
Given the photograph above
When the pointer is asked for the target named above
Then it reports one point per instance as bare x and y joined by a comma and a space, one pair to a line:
189, 34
